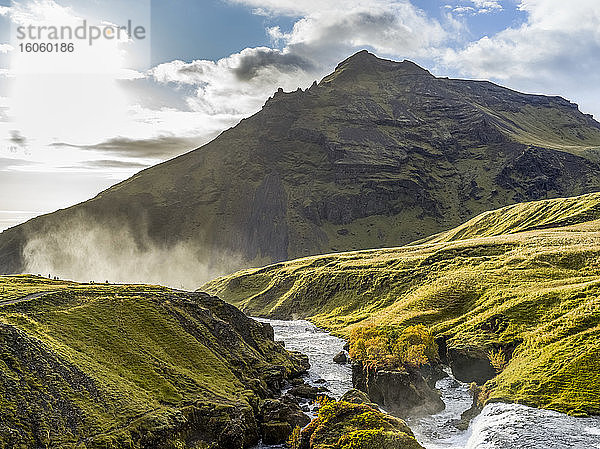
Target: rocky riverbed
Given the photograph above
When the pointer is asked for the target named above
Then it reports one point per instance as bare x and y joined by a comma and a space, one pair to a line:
499, 426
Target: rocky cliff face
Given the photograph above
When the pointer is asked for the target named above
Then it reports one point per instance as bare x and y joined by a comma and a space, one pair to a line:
404, 394
379, 153
138, 367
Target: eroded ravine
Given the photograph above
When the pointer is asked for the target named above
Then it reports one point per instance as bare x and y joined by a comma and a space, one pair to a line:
499, 426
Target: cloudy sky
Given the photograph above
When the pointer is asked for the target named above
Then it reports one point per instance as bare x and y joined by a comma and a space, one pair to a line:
72, 124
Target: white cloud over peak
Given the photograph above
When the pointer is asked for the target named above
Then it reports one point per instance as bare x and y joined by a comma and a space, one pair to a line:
239, 84
388, 26
555, 51
322, 36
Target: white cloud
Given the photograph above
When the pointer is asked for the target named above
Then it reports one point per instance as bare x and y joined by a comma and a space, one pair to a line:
463, 9
129, 74
237, 85
291, 7
488, 5
323, 35
555, 51
324, 29
62, 97
474, 7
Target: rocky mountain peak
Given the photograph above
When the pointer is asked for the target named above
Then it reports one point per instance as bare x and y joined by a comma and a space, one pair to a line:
380, 153
365, 63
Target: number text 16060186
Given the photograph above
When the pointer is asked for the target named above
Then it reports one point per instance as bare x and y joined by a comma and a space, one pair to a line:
36, 47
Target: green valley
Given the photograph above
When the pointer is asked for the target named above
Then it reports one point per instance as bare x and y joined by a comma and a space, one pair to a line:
524, 280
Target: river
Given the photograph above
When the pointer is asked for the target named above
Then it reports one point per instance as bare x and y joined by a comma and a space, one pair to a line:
499, 426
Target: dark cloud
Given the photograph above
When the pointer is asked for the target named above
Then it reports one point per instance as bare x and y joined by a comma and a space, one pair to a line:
109, 163
17, 138
193, 68
160, 148
251, 62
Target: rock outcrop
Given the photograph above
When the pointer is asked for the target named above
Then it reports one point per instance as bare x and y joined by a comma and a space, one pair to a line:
279, 417
402, 393
356, 425
139, 367
355, 396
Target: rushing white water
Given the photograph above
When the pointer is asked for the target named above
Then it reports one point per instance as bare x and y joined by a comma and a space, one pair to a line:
499, 426
437, 431
517, 426
320, 347
502, 426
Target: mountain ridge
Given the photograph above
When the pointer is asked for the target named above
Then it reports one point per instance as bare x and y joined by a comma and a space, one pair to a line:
132, 366
379, 153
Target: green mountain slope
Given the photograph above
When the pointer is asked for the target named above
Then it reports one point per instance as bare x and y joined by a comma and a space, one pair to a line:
525, 217
378, 154
104, 366
537, 290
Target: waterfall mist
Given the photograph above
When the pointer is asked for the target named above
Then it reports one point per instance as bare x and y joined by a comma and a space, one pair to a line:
84, 251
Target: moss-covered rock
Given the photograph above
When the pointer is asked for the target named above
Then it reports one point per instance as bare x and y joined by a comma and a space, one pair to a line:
279, 417
276, 432
345, 425
101, 366
355, 396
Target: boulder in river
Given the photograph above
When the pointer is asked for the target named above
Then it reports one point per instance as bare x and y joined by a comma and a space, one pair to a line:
402, 393
341, 358
355, 396
306, 391
279, 417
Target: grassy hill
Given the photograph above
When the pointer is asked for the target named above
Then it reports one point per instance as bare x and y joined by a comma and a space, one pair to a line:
109, 366
378, 154
522, 217
525, 276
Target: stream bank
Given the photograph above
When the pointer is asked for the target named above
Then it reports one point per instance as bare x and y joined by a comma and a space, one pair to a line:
499, 426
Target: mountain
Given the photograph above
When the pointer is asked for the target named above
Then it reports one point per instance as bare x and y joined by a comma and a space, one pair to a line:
522, 281
133, 366
378, 154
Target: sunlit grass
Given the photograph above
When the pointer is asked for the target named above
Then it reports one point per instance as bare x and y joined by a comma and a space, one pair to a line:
536, 271
98, 365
